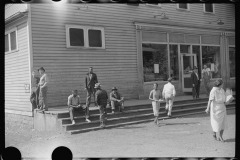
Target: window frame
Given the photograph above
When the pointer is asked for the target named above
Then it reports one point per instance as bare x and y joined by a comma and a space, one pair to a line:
183, 9
229, 46
85, 38
159, 5
204, 9
9, 40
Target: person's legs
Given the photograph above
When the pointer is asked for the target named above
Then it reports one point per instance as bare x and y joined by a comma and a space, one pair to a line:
43, 98
197, 89
221, 134
71, 109
194, 92
88, 101
121, 106
93, 92
214, 135
101, 110
154, 105
170, 107
113, 106
167, 104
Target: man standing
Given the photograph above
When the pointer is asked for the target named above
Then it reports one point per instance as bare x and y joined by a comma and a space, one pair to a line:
206, 76
101, 100
195, 82
168, 94
34, 91
43, 83
116, 100
74, 104
90, 81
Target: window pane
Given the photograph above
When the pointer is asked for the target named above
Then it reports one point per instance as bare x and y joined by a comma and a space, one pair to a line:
184, 49
13, 40
95, 38
211, 57
196, 50
210, 39
154, 37
155, 55
231, 40
76, 37
6, 43
192, 39
183, 5
174, 68
209, 7
232, 61
179, 38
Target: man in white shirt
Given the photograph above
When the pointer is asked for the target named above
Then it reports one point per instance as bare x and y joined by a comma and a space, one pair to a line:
43, 83
168, 94
74, 104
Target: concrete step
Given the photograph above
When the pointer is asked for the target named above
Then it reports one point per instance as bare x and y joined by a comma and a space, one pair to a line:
128, 113
128, 108
179, 114
84, 125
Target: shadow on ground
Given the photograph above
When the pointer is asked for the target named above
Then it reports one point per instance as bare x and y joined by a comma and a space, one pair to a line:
230, 140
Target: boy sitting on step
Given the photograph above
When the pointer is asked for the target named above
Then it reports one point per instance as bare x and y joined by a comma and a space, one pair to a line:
74, 104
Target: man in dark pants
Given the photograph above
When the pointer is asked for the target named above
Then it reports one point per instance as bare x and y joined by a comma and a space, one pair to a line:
90, 81
195, 82
35, 92
101, 100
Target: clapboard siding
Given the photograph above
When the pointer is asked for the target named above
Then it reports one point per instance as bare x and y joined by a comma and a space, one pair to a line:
17, 71
116, 65
14, 8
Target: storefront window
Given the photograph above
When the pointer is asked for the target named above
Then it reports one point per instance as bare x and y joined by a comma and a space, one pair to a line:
232, 61
155, 62
196, 50
174, 67
211, 57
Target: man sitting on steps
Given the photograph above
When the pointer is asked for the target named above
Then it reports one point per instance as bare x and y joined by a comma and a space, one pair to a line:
116, 100
74, 104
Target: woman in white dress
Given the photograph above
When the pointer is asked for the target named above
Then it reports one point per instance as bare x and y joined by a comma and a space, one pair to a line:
155, 97
218, 114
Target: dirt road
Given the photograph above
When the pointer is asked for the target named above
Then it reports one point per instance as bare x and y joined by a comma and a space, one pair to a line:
182, 137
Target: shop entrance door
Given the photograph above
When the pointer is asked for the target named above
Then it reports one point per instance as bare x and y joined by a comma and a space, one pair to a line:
188, 61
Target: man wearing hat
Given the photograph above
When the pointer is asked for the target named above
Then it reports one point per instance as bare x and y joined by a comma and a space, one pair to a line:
168, 94
43, 83
116, 100
101, 99
195, 82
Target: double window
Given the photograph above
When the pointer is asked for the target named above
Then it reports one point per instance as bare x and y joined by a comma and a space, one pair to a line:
85, 37
11, 41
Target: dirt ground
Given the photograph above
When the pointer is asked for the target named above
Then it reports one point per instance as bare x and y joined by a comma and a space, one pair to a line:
179, 137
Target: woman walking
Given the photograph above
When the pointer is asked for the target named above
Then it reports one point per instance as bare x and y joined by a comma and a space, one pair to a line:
206, 75
216, 105
155, 97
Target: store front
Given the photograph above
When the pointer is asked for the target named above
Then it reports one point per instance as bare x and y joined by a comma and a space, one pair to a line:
168, 52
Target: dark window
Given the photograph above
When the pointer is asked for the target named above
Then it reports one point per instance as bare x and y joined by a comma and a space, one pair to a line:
6, 43
209, 7
76, 37
95, 38
183, 5
13, 40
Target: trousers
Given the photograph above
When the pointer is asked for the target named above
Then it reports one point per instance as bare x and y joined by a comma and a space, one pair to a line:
90, 91
169, 103
43, 98
72, 110
103, 113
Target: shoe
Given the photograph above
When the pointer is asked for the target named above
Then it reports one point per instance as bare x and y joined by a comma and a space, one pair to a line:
215, 137
73, 122
88, 120
121, 111
113, 112
169, 116
102, 126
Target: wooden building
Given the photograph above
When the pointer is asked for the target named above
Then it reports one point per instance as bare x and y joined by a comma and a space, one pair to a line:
129, 46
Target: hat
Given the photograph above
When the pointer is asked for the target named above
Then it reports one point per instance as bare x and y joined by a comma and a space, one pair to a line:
97, 85
218, 83
114, 88
41, 69
195, 67
170, 78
